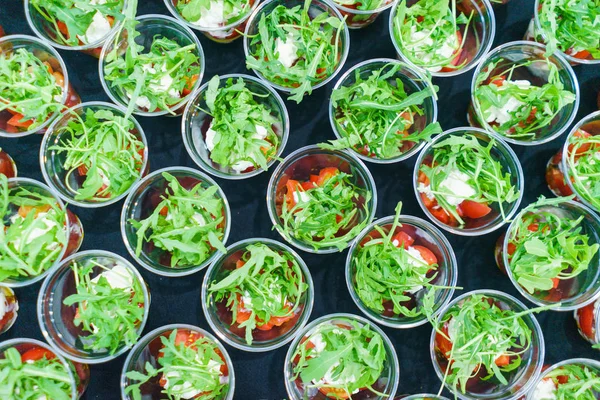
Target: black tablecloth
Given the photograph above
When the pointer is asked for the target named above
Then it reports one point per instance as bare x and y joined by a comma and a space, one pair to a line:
260, 376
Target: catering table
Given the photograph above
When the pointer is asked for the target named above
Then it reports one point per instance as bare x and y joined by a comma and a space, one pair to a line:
260, 375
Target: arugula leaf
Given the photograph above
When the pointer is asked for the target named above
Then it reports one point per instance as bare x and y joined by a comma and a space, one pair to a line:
363, 5
583, 165
575, 382
226, 12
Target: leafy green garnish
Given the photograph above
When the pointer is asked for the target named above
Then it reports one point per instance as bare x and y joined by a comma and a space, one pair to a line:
33, 232
228, 11
265, 289
189, 367
517, 108
25, 380
548, 246
186, 223
582, 382
110, 307
346, 356
241, 131
583, 166
295, 50
102, 148
363, 5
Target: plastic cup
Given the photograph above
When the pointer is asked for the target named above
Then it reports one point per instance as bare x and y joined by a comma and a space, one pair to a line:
356, 19
588, 323
8, 167
10, 309
585, 362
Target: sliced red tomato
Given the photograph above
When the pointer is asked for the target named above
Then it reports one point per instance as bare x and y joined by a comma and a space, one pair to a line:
186, 337
423, 178
503, 360
555, 283
473, 209
37, 353
402, 239
556, 181
498, 81
292, 186
443, 216
325, 174
189, 84
7, 167
334, 393
456, 60
586, 320
243, 315
240, 263
582, 55
443, 343
580, 133
15, 121
511, 248
25, 210
62, 27
427, 254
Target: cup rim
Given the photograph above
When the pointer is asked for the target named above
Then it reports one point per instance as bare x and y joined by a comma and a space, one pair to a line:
389, 3
176, 14
582, 209
187, 114
293, 157
153, 334
393, 362
501, 144
405, 66
173, 273
301, 321
66, 264
65, 87
421, 396
487, 6
577, 360
344, 38
441, 242
560, 60
535, 331
50, 132
182, 29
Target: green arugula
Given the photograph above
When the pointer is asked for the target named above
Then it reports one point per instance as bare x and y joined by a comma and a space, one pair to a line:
374, 115
431, 33
186, 223
316, 41
33, 232
363, 5
583, 166
189, 367
21, 380
349, 357
582, 382
273, 282
101, 147
236, 118
230, 10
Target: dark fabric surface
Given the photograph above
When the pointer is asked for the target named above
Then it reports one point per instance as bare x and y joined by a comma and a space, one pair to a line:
260, 376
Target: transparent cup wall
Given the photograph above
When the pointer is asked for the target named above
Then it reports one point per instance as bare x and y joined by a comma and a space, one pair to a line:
8, 167
592, 365
588, 323
10, 308
356, 19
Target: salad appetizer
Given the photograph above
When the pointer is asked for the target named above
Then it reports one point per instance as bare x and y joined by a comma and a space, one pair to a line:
94, 154
401, 270
341, 357
587, 322
381, 112
9, 306
468, 181
444, 37
572, 28
8, 167
321, 201
577, 379
257, 295
487, 342
359, 14
33, 86
296, 49
155, 79
75, 24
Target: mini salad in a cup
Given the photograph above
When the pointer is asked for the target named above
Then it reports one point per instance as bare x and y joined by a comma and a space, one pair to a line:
93, 154
523, 95
152, 65
443, 37
383, 110
175, 220
9, 307
258, 295
235, 127
361, 13
401, 271
34, 86
320, 200
8, 167
75, 24
178, 362
487, 344
93, 307
296, 45
341, 356
468, 181
588, 322
574, 379
37, 231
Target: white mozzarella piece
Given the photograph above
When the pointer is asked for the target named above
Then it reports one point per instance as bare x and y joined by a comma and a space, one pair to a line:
545, 390
287, 51
118, 277
455, 184
426, 189
99, 28
210, 137
185, 390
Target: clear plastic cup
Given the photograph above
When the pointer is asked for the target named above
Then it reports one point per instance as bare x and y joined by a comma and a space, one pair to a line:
44, 52
423, 396
480, 34
196, 121
52, 161
510, 54
588, 323
356, 19
149, 27
298, 165
9, 310
141, 202
73, 228
45, 30
425, 234
387, 382
56, 318
146, 351
8, 167
220, 34
559, 170
521, 381
510, 162
584, 362
414, 81
572, 293
219, 317
317, 7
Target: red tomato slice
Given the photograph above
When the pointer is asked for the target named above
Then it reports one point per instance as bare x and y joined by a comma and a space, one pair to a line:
423, 178
442, 343
37, 353
292, 186
62, 27
82, 170
555, 283
473, 209
15, 121
580, 133
556, 181
511, 248
403, 239
456, 60
325, 174
586, 320
240, 263
307, 185
189, 84
442, 216
242, 314
498, 81
334, 393
503, 360
427, 254
582, 55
